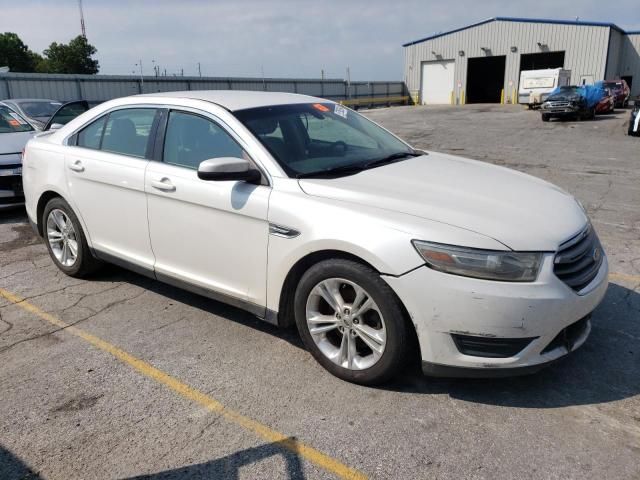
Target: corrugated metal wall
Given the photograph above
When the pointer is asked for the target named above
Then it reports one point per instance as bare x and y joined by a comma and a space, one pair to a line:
98, 88
615, 59
585, 47
630, 64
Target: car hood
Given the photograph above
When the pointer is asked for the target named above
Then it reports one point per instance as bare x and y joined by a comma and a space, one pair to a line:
561, 97
14, 142
518, 210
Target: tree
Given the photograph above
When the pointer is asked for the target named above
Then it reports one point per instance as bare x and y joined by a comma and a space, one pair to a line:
16, 55
75, 57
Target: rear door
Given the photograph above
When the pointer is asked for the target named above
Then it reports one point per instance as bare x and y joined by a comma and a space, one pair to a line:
105, 173
208, 234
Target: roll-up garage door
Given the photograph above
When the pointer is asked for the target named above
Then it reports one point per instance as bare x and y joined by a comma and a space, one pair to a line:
437, 81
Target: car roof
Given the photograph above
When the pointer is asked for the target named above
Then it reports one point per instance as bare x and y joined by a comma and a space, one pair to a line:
239, 99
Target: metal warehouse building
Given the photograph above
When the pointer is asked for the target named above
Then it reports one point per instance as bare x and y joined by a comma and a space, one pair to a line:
482, 62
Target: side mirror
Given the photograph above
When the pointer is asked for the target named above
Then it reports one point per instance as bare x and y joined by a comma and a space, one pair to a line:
228, 168
55, 126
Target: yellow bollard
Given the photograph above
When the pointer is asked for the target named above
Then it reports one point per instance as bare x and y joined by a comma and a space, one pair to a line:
502, 97
451, 98
462, 97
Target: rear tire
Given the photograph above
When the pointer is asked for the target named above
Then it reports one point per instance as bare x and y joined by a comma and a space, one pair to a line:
66, 241
381, 325
546, 117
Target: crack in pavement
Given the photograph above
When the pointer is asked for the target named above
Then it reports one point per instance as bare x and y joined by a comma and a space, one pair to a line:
7, 322
93, 315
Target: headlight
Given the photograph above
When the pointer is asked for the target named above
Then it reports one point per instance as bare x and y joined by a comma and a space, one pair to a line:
487, 264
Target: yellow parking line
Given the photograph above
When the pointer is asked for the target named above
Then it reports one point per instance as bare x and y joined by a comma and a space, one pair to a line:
308, 453
624, 277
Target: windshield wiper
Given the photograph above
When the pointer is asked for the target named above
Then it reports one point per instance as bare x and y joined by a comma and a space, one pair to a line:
344, 170
341, 171
394, 157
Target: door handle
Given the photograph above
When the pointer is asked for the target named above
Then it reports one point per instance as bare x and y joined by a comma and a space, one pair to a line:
76, 166
163, 184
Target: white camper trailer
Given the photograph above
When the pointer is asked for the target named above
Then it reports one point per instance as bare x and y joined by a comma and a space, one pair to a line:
536, 85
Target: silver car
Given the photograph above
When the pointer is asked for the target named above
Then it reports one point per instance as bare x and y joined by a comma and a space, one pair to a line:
37, 111
15, 132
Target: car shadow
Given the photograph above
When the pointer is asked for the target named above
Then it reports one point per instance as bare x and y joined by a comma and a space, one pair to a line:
11, 466
13, 215
112, 273
605, 369
229, 467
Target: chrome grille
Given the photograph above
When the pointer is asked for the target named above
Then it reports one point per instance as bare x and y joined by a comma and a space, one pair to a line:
558, 104
578, 259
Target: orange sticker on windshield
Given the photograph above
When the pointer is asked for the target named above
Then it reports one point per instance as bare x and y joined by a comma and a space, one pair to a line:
14, 123
319, 106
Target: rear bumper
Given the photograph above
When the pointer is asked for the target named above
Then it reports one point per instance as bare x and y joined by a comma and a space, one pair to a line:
445, 307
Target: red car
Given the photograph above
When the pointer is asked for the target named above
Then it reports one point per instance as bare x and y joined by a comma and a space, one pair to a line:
620, 90
608, 102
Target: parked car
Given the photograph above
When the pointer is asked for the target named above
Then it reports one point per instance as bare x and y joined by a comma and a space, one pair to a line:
621, 91
608, 102
304, 212
568, 103
15, 132
634, 121
37, 111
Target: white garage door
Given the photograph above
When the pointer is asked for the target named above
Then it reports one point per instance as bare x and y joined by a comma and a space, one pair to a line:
437, 82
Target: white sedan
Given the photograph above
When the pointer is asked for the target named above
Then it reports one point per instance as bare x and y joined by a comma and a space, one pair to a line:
302, 211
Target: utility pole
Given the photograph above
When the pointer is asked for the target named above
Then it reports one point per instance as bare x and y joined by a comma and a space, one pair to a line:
84, 31
199, 70
348, 82
139, 64
322, 74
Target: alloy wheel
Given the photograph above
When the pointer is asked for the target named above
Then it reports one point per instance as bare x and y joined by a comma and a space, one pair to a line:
62, 237
346, 324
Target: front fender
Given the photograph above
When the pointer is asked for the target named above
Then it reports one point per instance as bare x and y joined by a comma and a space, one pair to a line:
381, 238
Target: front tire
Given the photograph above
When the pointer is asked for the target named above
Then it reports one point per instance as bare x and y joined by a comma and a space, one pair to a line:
546, 117
352, 322
66, 241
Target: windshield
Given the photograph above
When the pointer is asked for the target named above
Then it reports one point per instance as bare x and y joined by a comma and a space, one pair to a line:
310, 138
43, 108
566, 90
11, 122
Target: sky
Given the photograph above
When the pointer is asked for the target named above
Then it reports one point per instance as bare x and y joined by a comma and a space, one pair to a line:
277, 38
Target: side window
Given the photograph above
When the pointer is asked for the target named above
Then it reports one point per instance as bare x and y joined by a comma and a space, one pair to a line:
127, 131
90, 136
191, 139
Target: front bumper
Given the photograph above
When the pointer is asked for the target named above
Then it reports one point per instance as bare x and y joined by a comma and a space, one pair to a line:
560, 110
442, 305
11, 193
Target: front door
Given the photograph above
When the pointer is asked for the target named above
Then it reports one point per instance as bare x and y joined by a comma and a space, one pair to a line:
105, 174
209, 234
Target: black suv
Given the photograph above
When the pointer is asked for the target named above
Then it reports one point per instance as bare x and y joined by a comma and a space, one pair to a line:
567, 102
